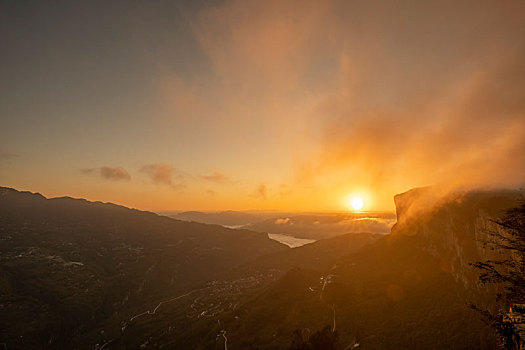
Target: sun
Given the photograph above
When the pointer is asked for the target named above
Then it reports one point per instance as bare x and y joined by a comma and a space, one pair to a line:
355, 202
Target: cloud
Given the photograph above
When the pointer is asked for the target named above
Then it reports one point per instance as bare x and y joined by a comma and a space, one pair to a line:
260, 46
217, 178
285, 190
88, 171
262, 191
164, 174
7, 157
182, 100
114, 173
281, 221
376, 95
469, 131
109, 173
414, 103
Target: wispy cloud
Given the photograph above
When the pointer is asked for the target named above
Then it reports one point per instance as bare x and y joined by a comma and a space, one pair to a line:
87, 171
260, 192
393, 104
8, 157
164, 174
474, 134
114, 173
109, 173
217, 178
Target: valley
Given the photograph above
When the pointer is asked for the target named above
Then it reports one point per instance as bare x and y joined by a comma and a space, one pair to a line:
85, 275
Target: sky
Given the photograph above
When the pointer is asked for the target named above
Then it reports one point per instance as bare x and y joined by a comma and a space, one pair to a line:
282, 105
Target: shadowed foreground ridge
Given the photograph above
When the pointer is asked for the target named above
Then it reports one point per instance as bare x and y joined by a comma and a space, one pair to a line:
67, 264
74, 274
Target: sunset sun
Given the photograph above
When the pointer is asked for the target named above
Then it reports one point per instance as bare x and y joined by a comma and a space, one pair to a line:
355, 202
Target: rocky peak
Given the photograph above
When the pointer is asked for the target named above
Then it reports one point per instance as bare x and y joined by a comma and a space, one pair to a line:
453, 226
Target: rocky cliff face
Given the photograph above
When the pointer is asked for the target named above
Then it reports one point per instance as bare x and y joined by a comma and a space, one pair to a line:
455, 227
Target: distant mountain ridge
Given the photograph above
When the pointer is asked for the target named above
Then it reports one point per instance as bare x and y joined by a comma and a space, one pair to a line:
299, 225
225, 218
317, 226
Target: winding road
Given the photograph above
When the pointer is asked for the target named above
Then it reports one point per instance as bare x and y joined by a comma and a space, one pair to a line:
149, 312
223, 334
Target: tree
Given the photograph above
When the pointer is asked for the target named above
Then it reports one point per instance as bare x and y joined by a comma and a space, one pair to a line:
508, 271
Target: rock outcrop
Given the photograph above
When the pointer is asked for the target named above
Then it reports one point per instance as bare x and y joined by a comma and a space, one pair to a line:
455, 227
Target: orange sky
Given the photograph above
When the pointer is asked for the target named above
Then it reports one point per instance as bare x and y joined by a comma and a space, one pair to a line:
287, 105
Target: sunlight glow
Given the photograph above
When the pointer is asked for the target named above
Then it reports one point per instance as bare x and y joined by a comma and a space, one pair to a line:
355, 202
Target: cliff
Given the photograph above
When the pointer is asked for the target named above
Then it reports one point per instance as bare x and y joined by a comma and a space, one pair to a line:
454, 227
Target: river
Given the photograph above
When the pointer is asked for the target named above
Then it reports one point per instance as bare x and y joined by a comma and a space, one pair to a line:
290, 241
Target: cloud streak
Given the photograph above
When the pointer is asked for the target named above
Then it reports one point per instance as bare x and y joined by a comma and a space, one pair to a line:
114, 173
164, 174
217, 178
109, 173
260, 192
8, 157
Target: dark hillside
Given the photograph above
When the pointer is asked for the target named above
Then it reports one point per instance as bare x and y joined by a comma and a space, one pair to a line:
67, 264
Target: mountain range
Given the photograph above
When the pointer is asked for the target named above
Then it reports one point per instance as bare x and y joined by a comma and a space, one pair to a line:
76, 274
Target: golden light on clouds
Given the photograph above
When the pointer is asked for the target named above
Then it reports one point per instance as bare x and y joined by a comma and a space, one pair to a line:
266, 105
